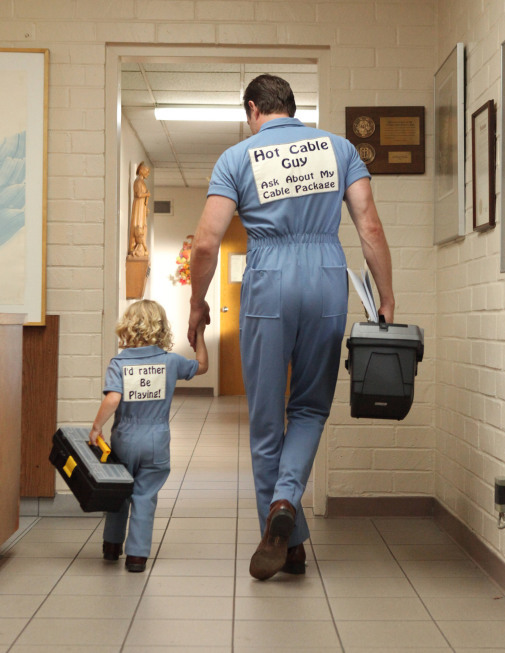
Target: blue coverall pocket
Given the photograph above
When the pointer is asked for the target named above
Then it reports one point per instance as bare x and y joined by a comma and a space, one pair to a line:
264, 296
161, 447
334, 288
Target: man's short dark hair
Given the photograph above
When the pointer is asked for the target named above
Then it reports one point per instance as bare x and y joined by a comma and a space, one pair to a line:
270, 94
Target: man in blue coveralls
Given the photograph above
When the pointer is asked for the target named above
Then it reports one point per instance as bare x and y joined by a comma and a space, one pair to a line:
287, 183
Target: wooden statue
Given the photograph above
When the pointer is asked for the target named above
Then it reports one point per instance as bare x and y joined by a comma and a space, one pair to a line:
138, 224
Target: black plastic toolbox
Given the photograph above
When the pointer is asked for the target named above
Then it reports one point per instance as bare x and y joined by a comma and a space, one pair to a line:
382, 363
97, 479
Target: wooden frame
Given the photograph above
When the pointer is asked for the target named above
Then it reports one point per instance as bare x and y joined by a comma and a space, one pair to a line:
502, 159
483, 166
115, 54
23, 187
449, 200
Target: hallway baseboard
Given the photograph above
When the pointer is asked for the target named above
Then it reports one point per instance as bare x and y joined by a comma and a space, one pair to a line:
193, 392
63, 504
410, 506
423, 506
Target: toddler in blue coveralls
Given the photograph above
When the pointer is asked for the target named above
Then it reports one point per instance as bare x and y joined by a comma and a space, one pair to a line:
139, 386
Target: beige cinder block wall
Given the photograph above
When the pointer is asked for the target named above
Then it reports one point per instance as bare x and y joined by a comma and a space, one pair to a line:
392, 458
470, 383
382, 52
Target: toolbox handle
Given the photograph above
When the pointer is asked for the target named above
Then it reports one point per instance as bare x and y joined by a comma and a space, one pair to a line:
382, 323
104, 447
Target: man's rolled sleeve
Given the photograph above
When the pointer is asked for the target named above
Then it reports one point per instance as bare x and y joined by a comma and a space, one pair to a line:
221, 181
356, 168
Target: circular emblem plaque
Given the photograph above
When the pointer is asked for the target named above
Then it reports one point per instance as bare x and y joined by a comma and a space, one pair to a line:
366, 152
363, 126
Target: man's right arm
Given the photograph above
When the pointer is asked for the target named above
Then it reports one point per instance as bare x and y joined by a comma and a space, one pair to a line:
361, 205
216, 217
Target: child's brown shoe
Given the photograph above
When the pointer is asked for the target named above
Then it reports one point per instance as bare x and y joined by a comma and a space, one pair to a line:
112, 550
295, 560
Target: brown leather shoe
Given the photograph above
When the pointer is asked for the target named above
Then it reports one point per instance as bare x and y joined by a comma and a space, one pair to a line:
112, 550
135, 563
270, 556
295, 560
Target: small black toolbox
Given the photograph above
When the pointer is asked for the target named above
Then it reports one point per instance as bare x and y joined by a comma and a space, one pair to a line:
382, 363
97, 479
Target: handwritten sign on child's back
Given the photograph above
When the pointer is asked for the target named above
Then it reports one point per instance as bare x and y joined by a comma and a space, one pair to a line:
144, 382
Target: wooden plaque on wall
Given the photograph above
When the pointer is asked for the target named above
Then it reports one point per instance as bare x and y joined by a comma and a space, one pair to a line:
137, 272
389, 140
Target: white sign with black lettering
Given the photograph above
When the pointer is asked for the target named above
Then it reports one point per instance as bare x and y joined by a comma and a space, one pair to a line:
294, 169
144, 382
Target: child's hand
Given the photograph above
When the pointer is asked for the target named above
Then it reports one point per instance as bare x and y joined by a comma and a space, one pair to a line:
200, 312
94, 435
200, 348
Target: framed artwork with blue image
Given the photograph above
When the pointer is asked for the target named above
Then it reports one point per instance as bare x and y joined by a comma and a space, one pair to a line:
23, 182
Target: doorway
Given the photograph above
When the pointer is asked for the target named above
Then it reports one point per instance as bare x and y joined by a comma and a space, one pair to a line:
272, 59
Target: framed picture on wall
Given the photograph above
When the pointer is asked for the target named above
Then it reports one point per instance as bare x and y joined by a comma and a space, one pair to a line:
483, 167
502, 159
449, 110
23, 182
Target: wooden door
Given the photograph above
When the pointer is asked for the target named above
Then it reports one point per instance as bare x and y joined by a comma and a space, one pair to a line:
233, 251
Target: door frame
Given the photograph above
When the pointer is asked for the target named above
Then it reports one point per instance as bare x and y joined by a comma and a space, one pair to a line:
116, 54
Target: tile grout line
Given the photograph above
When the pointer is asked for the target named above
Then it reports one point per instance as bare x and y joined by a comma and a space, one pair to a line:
7, 546
87, 541
411, 584
485, 573
236, 535
55, 584
316, 562
155, 557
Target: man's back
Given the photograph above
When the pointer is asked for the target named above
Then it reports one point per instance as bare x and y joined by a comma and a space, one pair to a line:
288, 178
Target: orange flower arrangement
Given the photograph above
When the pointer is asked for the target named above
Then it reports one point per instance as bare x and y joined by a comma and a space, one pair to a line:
183, 274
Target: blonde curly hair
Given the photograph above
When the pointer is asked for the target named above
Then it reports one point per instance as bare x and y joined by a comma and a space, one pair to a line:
144, 323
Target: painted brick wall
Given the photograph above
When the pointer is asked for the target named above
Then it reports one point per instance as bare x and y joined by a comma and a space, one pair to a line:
470, 386
382, 52
390, 60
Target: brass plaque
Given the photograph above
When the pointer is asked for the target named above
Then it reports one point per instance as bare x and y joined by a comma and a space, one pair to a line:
366, 152
389, 140
363, 126
399, 131
400, 157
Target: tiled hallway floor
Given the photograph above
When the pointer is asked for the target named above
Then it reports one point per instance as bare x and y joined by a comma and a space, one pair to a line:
372, 585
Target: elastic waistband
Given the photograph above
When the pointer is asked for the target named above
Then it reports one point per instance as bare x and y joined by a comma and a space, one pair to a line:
157, 421
292, 239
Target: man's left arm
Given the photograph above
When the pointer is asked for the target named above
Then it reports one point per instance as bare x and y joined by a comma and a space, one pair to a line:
216, 217
375, 248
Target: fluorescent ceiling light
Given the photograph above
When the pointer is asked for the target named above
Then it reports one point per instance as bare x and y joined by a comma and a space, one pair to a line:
219, 114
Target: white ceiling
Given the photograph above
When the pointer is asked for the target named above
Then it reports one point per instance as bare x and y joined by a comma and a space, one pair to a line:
184, 153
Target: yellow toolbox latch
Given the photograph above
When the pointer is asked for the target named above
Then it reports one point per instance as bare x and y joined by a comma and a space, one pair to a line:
69, 466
